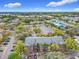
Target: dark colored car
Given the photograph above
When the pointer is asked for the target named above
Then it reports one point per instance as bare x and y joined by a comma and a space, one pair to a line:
7, 40
12, 50
1, 50
5, 43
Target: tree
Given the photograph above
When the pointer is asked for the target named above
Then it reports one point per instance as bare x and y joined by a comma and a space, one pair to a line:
37, 30
70, 43
4, 36
54, 46
22, 36
14, 55
58, 31
19, 28
20, 48
45, 44
1, 37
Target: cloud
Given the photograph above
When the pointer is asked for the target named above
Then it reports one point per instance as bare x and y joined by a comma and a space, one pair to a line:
13, 5
76, 9
60, 3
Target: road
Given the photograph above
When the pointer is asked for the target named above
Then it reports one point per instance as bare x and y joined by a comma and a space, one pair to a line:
8, 48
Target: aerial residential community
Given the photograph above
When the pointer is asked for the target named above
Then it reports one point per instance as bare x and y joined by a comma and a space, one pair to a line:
39, 35
43, 29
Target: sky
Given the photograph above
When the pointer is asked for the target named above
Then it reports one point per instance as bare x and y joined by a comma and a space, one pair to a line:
39, 5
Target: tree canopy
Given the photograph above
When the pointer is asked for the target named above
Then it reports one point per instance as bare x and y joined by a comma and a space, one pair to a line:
14, 55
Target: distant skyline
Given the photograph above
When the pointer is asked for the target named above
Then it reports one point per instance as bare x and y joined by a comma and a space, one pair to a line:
39, 5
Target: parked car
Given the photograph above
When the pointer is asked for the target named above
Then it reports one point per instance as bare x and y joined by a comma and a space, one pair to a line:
7, 40
5, 43
12, 50
1, 50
